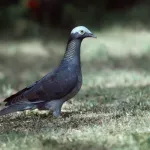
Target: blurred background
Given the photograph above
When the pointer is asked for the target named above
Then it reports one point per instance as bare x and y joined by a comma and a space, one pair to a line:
33, 36
28, 17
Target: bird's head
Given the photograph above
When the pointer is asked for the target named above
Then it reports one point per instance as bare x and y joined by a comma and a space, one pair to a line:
81, 32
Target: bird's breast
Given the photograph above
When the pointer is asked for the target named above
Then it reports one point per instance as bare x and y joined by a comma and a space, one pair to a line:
76, 89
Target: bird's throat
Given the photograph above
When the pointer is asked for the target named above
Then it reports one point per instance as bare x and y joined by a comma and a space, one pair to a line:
72, 54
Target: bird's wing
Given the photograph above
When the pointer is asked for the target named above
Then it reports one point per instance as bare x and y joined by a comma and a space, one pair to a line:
52, 86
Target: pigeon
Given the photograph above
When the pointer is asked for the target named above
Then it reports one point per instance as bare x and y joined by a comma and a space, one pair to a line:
56, 87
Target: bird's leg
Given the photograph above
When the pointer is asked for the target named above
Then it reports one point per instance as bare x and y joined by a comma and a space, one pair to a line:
55, 106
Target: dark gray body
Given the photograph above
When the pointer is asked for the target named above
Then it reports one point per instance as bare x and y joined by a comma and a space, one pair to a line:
50, 92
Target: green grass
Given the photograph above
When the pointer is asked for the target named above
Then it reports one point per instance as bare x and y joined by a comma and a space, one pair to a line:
111, 112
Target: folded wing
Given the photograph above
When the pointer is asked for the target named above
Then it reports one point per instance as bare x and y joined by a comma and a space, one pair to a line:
50, 87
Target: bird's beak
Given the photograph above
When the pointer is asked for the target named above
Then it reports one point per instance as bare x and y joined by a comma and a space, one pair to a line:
91, 35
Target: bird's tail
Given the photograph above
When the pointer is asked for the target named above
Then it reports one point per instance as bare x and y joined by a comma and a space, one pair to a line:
15, 108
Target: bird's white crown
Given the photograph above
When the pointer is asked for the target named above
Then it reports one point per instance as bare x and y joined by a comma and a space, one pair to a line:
79, 28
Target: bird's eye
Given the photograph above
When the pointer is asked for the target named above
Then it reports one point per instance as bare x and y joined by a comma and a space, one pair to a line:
81, 32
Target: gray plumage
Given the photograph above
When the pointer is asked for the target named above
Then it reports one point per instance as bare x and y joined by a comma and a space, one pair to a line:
58, 86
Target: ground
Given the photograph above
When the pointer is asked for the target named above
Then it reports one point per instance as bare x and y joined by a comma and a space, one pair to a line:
111, 112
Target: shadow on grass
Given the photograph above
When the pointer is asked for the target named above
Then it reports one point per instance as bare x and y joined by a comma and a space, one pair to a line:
47, 143
86, 110
129, 62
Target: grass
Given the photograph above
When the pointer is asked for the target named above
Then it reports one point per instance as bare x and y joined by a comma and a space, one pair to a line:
111, 112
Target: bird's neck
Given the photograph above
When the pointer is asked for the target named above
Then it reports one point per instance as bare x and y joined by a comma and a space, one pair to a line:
72, 54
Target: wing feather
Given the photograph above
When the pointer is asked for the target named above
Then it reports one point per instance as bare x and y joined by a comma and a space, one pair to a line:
52, 86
